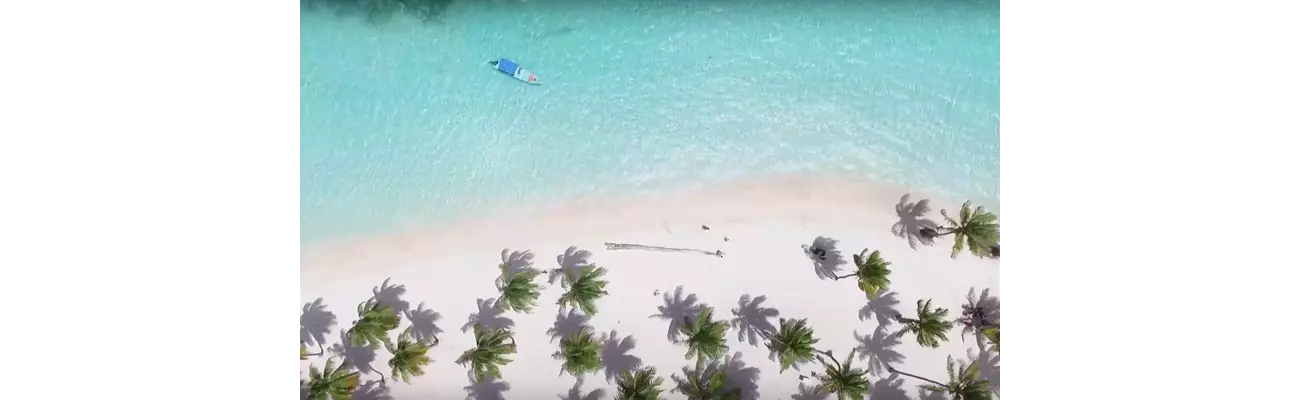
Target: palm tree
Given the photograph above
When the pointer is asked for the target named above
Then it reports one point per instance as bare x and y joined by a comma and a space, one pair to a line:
409, 356
929, 326
793, 343
303, 354
489, 352
705, 338
639, 384
842, 379
976, 229
705, 382
994, 333
580, 352
585, 287
518, 291
374, 321
963, 382
334, 382
872, 273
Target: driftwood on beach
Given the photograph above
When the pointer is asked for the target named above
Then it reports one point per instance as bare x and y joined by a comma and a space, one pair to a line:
623, 246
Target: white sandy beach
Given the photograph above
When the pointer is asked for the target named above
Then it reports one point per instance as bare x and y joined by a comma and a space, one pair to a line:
448, 268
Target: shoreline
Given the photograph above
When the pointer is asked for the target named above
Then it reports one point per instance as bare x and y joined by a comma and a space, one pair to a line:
774, 198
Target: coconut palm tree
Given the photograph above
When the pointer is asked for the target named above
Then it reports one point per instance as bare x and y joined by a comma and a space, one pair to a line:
705, 338
872, 273
333, 383
705, 382
976, 229
639, 384
489, 352
303, 354
963, 382
518, 290
793, 343
374, 321
929, 326
580, 352
409, 357
585, 287
994, 333
842, 379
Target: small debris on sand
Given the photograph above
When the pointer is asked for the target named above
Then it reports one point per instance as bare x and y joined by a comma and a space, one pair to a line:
726, 239
706, 227
656, 293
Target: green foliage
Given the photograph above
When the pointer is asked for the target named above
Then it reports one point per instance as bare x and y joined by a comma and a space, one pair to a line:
585, 287
519, 291
994, 333
705, 338
873, 273
639, 384
409, 357
929, 327
302, 351
963, 383
332, 383
580, 352
842, 379
705, 382
374, 322
793, 344
489, 352
978, 230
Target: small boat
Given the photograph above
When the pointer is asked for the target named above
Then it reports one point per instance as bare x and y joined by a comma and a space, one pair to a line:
511, 68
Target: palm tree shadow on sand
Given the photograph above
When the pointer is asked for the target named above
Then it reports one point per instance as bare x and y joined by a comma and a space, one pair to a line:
888, 388
809, 392
570, 262
742, 376
826, 257
358, 357
489, 316
315, 323
567, 324
878, 350
979, 312
676, 308
516, 261
372, 390
912, 221
424, 323
391, 295
575, 393
489, 388
753, 322
929, 395
990, 366
616, 357
883, 307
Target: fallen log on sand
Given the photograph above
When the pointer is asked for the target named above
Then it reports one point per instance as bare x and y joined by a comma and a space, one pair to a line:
622, 246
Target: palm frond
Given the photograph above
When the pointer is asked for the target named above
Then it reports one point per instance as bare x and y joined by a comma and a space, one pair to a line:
929, 327
489, 353
793, 344
332, 383
585, 287
705, 338
580, 353
639, 384
409, 358
844, 380
519, 291
705, 382
976, 229
873, 273
375, 321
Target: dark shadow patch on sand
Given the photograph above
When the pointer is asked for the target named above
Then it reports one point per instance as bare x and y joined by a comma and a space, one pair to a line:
372, 390
316, 322
571, 262
424, 323
616, 355
489, 388
676, 307
752, 321
489, 316
883, 307
878, 350
742, 376
575, 393
391, 296
912, 221
826, 257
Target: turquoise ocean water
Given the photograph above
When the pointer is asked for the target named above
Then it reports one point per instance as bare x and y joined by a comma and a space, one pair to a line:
404, 123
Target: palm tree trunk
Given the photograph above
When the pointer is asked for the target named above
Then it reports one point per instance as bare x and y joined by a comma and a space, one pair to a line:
845, 276
322, 350
894, 371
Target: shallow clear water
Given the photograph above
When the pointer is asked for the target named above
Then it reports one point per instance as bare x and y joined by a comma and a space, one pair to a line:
404, 123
